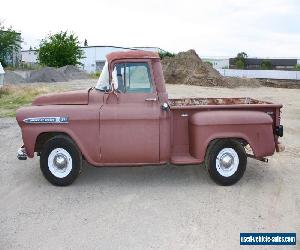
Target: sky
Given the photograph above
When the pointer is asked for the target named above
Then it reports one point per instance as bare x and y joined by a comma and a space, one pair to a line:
261, 28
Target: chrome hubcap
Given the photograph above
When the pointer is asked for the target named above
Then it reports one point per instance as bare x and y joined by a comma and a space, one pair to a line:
227, 162
60, 162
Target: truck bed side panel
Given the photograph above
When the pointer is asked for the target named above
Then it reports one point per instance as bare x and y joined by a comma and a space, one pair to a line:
252, 126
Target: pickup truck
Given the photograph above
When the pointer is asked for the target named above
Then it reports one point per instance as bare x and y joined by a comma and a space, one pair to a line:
127, 119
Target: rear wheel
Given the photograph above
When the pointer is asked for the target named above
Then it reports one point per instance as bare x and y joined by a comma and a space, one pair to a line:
60, 161
226, 161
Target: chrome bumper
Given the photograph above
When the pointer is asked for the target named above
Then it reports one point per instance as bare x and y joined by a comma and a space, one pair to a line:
21, 154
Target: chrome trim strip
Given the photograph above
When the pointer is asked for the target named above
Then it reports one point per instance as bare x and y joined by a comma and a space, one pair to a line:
47, 120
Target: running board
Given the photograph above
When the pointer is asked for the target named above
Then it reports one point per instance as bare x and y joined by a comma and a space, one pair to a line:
185, 159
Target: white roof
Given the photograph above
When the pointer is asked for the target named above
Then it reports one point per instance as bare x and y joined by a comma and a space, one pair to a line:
1, 69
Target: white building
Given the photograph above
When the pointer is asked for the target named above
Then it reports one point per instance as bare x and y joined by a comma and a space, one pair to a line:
217, 62
29, 56
94, 56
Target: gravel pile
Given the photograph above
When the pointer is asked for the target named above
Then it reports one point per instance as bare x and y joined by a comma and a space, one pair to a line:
46, 74
11, 77
72, 72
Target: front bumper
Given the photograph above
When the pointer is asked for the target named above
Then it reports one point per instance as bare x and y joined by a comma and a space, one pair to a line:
21, 153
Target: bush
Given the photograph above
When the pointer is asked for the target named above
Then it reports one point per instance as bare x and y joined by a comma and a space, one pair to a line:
266, 65
95, 75
163, 54
209, 63
239, 64
297, 67
59, 50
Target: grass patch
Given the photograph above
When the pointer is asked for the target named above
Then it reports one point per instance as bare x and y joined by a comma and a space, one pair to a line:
13, 97
95, 75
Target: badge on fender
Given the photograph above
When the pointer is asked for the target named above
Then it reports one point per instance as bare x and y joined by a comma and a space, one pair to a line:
47, 120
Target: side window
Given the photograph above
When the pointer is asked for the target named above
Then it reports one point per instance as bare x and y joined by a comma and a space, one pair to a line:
134, 77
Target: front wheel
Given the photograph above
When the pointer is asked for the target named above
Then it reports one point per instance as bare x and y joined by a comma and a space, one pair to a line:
226, 161
60, 161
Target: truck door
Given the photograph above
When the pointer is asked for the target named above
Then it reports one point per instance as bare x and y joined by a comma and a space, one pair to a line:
129, 119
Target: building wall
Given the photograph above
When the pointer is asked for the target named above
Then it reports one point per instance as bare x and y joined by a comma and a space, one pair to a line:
218, 63
261, 74
29, 56
94, 56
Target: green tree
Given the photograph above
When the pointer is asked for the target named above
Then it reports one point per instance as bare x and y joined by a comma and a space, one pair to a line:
240, 60
297, 67
59, 50
10, 42
85, 43
163, 54
209, 63
266, 65
239, 64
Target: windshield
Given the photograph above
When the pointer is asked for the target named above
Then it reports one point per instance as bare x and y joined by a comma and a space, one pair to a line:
103, 81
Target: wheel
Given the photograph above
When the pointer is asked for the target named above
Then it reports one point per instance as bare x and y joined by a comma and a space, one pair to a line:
60, 160
226, 161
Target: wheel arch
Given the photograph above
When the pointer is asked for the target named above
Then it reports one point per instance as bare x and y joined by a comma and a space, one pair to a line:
240, 140
43, 137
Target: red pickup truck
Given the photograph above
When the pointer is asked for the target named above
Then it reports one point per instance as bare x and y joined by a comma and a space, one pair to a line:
127, 119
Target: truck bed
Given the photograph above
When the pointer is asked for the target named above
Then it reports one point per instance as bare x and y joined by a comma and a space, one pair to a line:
194, 102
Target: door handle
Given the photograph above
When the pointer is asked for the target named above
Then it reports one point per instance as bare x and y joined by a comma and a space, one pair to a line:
151, 99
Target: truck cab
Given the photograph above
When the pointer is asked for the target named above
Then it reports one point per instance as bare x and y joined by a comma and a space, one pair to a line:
127, 119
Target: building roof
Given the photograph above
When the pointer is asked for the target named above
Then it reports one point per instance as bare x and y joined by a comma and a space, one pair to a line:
131, 54
109, 46
275, 62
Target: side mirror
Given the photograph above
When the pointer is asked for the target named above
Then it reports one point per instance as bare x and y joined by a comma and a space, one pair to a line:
165, 106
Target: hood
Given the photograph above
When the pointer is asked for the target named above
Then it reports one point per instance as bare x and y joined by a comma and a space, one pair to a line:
67, 98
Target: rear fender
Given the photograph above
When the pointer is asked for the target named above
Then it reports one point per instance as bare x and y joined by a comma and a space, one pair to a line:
254, 127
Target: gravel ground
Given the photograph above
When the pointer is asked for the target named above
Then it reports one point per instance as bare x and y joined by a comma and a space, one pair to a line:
165, 207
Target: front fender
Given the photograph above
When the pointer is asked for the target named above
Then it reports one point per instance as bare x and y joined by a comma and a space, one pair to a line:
82, 126
252, 126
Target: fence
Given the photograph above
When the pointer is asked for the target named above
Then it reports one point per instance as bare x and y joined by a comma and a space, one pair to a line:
270, 74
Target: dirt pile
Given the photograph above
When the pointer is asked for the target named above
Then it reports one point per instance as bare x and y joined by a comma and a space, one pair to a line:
46, 74
187, 68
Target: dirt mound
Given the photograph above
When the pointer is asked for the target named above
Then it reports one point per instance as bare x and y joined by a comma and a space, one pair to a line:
47, 74
72, 72
243, 82
11, 77
187, 68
